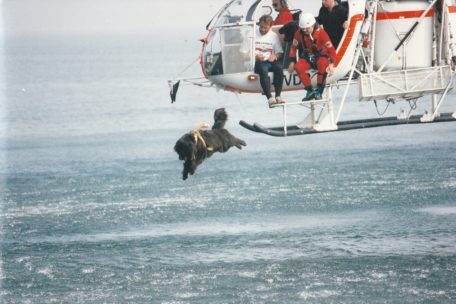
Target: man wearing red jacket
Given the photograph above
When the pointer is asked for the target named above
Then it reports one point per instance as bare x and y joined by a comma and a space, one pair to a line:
284, 16
319, 54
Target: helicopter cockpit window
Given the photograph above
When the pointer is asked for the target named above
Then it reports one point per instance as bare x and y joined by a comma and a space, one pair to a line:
233, 13
265, 10
212, 60
251, 10
229, 50
254, 14
237, 49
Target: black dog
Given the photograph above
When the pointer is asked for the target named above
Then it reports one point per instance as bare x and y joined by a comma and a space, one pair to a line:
196, 146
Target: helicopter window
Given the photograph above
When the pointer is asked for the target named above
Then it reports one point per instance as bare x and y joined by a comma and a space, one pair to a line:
212, 61
265, 10
251, 11
237, 49
234, 13
234, 19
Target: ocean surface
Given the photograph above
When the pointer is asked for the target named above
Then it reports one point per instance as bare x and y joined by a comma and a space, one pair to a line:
94, 208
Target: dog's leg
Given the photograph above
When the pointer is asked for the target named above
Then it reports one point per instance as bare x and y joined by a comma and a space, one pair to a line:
187, 169
239, 143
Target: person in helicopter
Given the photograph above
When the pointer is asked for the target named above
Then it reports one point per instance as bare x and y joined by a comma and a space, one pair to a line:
333, 17
318, 53
284, 16
268, 51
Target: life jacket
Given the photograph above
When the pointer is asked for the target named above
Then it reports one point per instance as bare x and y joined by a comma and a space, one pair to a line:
313, 46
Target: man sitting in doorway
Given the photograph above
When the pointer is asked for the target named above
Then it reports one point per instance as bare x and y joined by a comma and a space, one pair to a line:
319, 54
268, 51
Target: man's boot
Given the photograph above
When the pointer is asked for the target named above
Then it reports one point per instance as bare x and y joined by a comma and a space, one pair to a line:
310, 94
319, 91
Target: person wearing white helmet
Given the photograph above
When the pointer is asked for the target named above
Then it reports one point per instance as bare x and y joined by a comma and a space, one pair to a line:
318, 54
306, 20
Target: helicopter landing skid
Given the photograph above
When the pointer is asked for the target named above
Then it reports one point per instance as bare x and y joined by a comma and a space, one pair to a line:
292, 130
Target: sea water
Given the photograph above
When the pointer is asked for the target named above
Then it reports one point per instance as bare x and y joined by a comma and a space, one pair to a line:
94, 208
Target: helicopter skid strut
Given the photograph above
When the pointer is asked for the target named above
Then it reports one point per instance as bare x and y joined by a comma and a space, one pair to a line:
292, 130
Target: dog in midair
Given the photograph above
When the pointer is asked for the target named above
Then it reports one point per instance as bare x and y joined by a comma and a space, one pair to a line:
199, 144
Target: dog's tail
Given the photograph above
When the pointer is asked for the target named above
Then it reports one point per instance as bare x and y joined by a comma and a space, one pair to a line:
220, 118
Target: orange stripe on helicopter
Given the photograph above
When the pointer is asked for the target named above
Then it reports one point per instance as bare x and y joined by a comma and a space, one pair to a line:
402, 15
350, 31
452, 9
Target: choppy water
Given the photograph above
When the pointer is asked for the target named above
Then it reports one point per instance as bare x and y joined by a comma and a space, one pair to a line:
94, 209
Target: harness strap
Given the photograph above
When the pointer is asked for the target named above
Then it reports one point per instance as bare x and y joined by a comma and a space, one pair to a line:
198, 136
314, 50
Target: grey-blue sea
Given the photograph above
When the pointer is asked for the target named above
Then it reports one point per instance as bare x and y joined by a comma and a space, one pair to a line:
94, 209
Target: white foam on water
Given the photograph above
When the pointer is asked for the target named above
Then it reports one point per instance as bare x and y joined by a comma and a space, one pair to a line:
187, 295
47, 271
425, 292
248, 274
212, 228
70, 206
439, 210
379, 275
88, 270
308, 295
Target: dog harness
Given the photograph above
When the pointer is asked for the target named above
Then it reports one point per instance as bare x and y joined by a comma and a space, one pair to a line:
197, 135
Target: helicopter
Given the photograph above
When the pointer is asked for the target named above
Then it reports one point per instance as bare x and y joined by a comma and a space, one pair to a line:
377, 53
